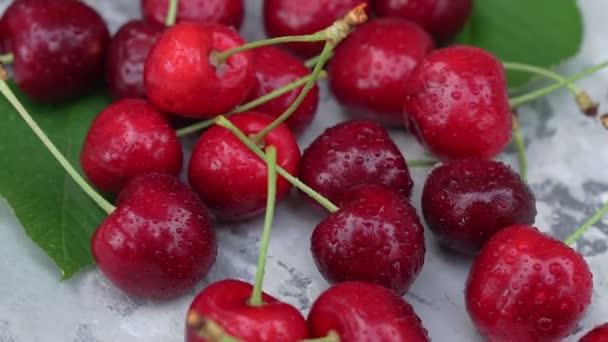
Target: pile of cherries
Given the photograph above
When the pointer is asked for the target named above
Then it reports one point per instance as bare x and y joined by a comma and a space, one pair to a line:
159, 241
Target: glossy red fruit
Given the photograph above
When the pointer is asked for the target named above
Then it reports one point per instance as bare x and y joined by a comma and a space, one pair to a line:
225, 12
126, 57
362, 312
466, 202
181, 77
126, 139
376, 236
351, 154
370, 67
275, 69
599, 334
226, 304
159, 242
59, 47
457, 104
526, 286
230, 178
290, 18
443, 19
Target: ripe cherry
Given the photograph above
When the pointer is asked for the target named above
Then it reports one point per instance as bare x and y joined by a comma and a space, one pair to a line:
59, 47
599, 334
457, 105
126, 139
465, 202
370, 67
159, 242
225, 12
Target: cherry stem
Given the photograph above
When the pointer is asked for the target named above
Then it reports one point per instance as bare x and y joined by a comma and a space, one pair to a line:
332, 336
422, 163
518, 139
327, 204
250, 105
171, 13
586, 225
94, 195
9, 58
207, 329
533, 69
271, 162
311, 62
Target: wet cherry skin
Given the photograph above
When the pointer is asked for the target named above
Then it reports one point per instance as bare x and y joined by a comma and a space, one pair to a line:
225, 12
598, 334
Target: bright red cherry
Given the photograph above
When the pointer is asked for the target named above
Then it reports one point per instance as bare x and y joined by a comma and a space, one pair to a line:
362, 312
291, 18
159, 243
181, 75
59, 47
230, 178
370, 67
275, 69
376, 236
443, 19
465, 202
126, 57
526, 286
225, 12
126, 139
599, 334
457, 104
226, 304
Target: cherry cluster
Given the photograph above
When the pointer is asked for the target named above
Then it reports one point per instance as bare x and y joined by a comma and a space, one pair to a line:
187, 60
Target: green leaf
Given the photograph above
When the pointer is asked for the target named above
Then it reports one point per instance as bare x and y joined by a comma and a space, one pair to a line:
55, 213
538, 32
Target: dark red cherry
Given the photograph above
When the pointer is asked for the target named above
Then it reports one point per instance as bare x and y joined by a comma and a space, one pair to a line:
362, 312
230, 178
225, 12
370, 67
126, 57
181, 77
126, 139
599, 334
465, 202
226, 304
59, 47
159, 243
275, 69
457, 104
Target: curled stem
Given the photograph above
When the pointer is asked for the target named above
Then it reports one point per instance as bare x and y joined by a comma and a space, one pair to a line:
518, 139
171, 13
207, 329
586, 225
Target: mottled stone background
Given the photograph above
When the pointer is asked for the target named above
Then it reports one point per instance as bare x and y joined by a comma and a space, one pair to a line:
567, 173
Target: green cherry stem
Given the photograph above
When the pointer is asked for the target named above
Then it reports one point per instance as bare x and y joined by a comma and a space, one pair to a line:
271, 161
586, 225
94, 195
422, 163
9, 58
327, 204
518, 139
207, 329
171, 13
332, 336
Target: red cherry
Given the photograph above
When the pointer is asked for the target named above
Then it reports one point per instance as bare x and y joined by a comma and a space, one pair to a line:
225, 12
292, 18
370, 67
465, 202
354, 153
376, 236
230, 178
599, 334
180, 75
59, 47
226, 303
443, 19
126, 57
457, 103
526, 286
362, 312
159, 242
275, 69
126, 139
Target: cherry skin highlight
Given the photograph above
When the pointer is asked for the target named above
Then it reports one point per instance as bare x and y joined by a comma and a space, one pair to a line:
465, 202
159, 243
599, 334
275, 69
526, 286
370, 67
181, 77
226, 304
59, 47
376, 236
126, 57
225, 12
361, 312
126, 139
457, 105
351, 154
229, 177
